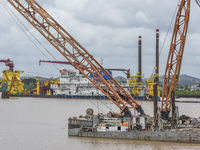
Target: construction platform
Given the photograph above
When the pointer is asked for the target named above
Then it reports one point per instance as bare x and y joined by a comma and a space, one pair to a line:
113, 125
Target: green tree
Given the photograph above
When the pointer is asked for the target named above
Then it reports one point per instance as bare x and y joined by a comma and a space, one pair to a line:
30, 86
187, 88
29, 83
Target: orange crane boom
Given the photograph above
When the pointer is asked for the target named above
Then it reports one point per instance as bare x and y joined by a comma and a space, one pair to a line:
76, 54
175, 56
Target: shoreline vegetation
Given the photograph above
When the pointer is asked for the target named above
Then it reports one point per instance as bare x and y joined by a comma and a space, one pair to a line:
186, 91
187, 94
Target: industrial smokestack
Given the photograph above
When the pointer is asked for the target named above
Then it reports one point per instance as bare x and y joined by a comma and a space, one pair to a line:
140, 58
157, 55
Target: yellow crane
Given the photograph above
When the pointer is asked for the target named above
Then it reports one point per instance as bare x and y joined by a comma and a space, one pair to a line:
12, 79
135, 85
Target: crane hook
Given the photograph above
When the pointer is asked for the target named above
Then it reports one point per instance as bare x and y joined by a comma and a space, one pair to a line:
198, 2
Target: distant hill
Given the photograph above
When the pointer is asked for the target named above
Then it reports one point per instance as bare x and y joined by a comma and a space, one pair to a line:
186, 80
183, 79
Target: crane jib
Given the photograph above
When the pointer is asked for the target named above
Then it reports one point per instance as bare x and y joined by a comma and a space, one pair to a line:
75, 53
175, 56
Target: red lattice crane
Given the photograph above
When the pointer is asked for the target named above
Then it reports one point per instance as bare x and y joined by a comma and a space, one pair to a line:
175, 56
8, 63
76, 54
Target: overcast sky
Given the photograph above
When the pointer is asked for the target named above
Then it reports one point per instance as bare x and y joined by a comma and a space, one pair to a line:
108, 29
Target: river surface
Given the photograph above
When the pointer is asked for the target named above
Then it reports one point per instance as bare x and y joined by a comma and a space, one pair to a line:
41, 124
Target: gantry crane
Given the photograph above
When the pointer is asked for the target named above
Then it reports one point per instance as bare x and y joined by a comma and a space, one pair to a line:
175, 56
56, 62
8, 63
125, 71
11, 81
76, 54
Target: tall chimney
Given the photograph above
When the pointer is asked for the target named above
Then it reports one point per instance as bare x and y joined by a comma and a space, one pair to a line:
157, 55
140, 58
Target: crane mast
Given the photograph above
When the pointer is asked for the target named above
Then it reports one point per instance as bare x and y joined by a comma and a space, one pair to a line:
175, 56
76, 54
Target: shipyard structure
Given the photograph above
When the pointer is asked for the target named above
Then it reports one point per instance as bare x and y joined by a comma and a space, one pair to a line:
132, 122
71, 84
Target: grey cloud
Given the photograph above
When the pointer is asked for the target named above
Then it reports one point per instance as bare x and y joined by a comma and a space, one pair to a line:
108, 30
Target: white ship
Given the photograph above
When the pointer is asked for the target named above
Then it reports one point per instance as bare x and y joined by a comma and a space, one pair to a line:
71, 84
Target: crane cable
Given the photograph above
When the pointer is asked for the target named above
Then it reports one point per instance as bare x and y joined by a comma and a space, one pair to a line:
198, 2
38, 74
20, 24
97, 107
168, 31
100, 101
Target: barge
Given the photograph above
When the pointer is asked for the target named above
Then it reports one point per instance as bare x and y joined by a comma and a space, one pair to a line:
137, 127
181, 136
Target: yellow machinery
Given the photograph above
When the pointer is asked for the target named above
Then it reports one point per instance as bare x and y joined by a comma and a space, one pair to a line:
40, 89
49, 92
135, 84
13, 81
26, 92
47, 83
150, 83
57, 81
52, 81
38, 86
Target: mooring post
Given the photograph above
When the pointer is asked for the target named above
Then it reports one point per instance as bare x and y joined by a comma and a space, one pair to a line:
173, 108
155, 105
140, 58
157, 56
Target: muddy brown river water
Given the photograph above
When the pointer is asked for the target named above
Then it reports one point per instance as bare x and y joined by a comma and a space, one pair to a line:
41, 124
